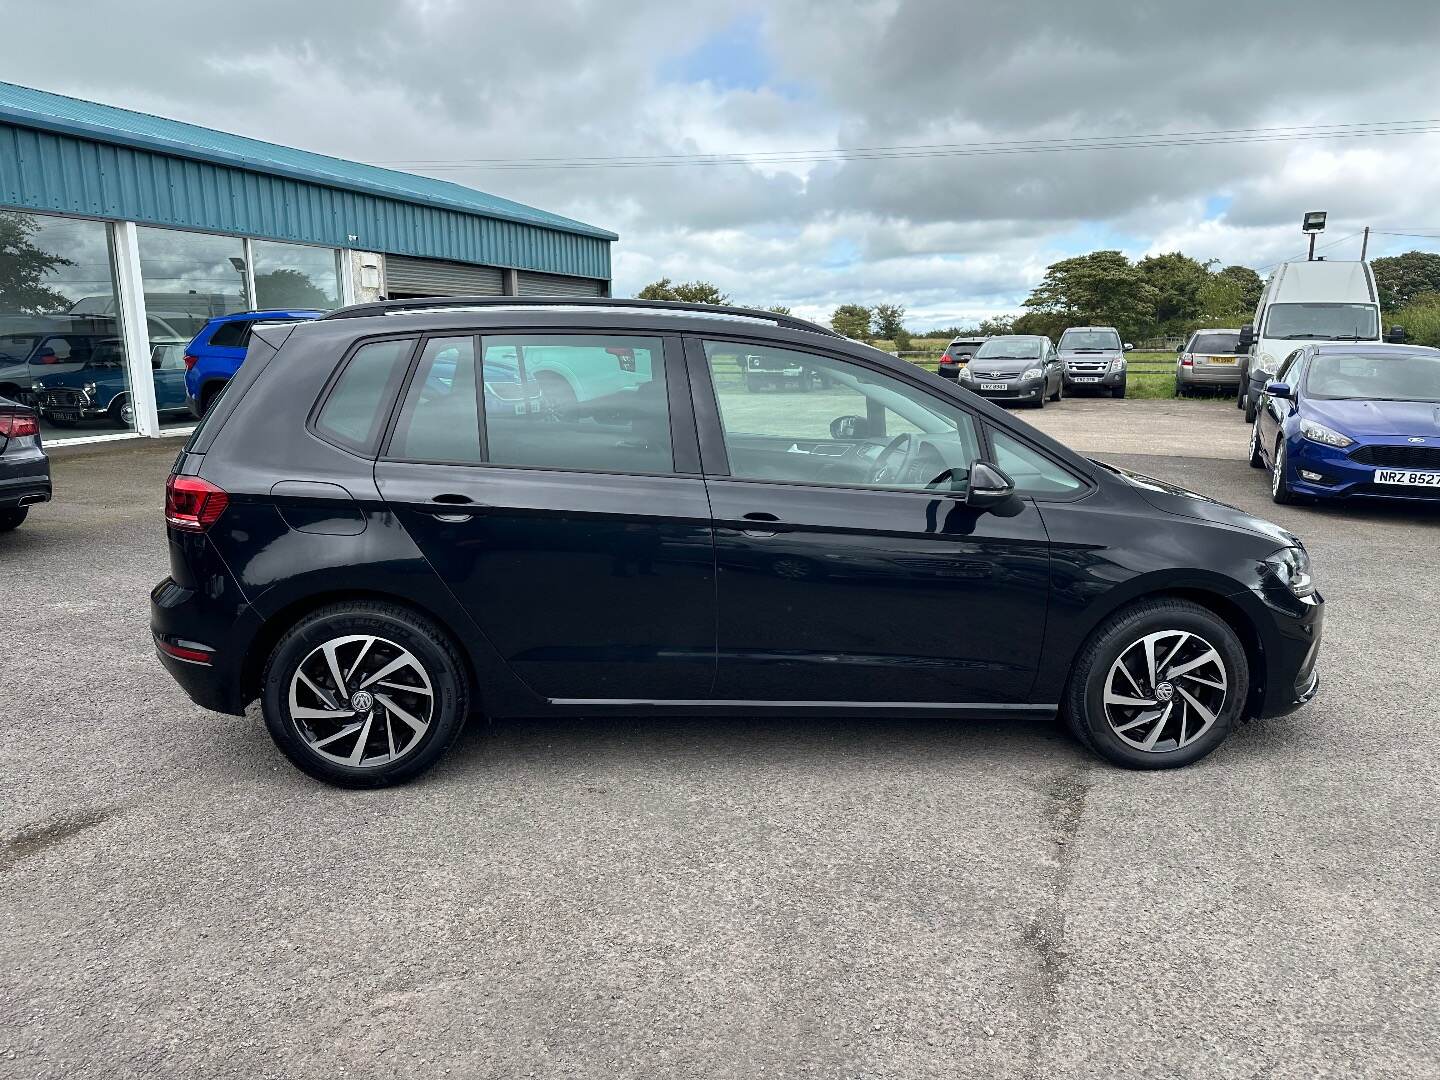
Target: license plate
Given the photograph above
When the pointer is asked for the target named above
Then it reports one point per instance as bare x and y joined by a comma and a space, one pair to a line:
1408, 478
994, 386
1084, 378
1219, 359
64, 414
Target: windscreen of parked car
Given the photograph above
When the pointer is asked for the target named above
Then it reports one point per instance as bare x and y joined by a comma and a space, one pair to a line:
1009, 349
1089, 340
1322, 322
16, 347
1374, 378
1214, 344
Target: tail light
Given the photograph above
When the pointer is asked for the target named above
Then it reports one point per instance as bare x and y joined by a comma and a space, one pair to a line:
189, 361
192, 504
945, 359
16, 425
1187, 360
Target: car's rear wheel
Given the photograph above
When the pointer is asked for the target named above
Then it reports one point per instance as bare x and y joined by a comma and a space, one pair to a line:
13, 518
1159, 685
1252, 406
1257, 460
364, 694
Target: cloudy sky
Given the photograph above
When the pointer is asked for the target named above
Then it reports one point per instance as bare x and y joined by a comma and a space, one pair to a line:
953, 237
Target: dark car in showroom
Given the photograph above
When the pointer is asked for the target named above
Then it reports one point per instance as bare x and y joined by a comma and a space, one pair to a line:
24, 468
1022, 369
377, 554
100, 388
1351, 420
1093, 358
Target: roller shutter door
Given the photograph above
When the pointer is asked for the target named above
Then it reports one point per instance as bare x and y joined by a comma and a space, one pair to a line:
532, 284
405, 276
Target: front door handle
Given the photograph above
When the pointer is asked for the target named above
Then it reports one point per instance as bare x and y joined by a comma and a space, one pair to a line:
759, 515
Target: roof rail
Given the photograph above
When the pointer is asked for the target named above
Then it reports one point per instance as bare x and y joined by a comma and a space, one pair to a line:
399, 307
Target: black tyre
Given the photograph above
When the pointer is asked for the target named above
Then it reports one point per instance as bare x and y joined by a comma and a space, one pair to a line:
1119, 391
1158, 685
1252, 406
208, 394
13, 518
122, 413
1059, 390
364, 694
1279, 476
1257, 459
1039, 402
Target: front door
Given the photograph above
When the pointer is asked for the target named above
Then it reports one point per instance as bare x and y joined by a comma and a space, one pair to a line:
851, 568
561, 521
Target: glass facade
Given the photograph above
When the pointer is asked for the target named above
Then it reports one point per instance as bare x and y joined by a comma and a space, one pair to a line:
60, 342
291, 276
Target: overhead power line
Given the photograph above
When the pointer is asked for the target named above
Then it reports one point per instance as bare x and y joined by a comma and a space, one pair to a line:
1219, 137
1297, 258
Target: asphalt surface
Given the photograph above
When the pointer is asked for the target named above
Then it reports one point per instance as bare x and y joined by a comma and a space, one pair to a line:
672, 898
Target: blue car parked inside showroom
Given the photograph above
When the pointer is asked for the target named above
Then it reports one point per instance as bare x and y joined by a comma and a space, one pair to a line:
215, 353
1348, 419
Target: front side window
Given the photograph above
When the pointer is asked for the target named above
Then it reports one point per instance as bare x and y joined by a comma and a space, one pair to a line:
1322, 322
818, 420
355, 410
577, 401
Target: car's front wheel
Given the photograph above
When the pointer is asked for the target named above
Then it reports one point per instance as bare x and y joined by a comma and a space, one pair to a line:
1119, 391
1159, 685
1257, 460
1280, 475
364, 694
122, 413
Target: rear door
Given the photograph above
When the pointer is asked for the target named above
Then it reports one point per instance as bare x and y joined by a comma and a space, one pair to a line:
573, 523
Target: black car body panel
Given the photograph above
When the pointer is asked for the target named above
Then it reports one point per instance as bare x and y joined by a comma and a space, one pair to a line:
574, 590
24, 466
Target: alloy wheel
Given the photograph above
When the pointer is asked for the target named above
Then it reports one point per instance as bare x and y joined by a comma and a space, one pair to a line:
1277, 470
1165, 691
361, 701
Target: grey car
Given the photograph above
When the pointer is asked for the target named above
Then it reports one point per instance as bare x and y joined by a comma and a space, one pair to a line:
1094, 359
24, 468
1208, 358
1019, 368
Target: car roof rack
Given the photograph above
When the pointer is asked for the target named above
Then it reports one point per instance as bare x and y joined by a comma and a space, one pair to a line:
460, 303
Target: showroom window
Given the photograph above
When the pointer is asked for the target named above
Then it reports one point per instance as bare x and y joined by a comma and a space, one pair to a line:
59, 335
294, 276
189, 279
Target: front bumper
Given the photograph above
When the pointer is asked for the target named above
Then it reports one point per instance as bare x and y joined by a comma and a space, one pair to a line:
1328, 472
1290, 645
1017, 390
1091, 380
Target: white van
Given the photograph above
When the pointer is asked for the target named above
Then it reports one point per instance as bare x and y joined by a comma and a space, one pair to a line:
1306, 302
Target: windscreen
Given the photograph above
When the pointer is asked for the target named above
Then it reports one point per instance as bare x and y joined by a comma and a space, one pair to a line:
1322, 322
1009, 348
1413, 377
1089, 340
1214, 344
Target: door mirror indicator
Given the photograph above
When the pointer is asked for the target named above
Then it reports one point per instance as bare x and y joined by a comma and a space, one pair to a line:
989, 486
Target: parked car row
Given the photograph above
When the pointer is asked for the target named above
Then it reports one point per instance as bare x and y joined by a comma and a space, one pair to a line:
1029, 369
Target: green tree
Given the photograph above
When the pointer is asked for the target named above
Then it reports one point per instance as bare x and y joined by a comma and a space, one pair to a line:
689, 292
23, 268
852, 320
290, 289
997, 326
1102, 288
779, 309
1250, 283
1402, 279
1177, 280
888, 320
902, 340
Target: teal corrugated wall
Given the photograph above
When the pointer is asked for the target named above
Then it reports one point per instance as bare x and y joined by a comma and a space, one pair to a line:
42, 170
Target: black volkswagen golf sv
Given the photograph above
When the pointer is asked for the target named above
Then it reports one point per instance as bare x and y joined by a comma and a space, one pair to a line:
408, 512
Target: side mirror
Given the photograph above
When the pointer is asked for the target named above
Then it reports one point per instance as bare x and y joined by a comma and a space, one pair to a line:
1246, 339
1278, 389
1179, 348
1127, 347
1396, 336
989, 486
849, 427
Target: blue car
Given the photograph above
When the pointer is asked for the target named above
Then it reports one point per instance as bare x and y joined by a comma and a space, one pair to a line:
1342, 420
97, 390
215, 353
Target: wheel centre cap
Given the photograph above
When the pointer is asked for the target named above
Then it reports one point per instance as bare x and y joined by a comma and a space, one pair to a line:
1164, 691
362, 701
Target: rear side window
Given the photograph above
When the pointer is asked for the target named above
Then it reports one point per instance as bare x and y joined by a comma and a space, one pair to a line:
231, 335
355, 410
441, 418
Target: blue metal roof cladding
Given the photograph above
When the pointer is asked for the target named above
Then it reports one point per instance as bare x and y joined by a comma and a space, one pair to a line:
73, 156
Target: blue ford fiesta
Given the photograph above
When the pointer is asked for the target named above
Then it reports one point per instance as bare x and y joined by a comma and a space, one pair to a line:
1342, 419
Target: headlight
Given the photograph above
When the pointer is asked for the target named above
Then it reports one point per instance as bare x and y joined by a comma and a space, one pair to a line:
1292, 566
89, 389
1266, 364
37, 388
965, 372
1117, 364
1322, 434
1032, 373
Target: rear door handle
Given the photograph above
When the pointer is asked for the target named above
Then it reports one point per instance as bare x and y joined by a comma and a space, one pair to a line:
449, 500
759, 515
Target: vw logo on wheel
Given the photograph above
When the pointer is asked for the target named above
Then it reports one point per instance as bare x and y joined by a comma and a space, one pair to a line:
362, 701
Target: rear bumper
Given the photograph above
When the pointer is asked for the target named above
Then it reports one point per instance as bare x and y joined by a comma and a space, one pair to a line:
218, 626
24, 478
1222, 375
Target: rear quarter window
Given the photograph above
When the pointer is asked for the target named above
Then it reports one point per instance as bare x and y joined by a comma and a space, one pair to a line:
357, 405
231, 335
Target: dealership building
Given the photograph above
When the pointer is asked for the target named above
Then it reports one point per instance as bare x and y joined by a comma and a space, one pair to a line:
122, 233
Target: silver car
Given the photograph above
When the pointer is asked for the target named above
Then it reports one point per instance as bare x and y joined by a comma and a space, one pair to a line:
1208, 358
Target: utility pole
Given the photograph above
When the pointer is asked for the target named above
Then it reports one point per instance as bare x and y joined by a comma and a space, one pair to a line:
1311, 256
1365, 243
